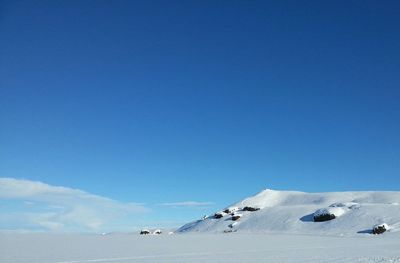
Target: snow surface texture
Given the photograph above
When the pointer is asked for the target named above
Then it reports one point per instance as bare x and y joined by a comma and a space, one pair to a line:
293, 212
196, 248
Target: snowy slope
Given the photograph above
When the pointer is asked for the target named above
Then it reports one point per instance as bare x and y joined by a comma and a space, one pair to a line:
292, 212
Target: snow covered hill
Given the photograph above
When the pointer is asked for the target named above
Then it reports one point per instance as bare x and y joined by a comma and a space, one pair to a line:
351, 213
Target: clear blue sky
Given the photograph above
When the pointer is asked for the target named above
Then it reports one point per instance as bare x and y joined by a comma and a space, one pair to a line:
170, 101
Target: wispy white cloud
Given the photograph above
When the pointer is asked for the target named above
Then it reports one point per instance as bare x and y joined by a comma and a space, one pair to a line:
188, 204
56, 208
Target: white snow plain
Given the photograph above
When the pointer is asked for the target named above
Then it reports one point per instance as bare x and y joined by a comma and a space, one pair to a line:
179, 248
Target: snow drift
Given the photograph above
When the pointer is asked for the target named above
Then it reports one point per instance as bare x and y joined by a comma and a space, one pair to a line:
293, 212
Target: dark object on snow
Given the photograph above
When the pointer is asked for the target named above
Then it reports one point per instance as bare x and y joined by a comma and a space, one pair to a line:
251, 209
145, 232
324, 217
218, 215
236, 217
379, 229
230, 210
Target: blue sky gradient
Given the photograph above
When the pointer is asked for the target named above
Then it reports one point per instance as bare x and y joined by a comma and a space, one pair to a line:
209, 101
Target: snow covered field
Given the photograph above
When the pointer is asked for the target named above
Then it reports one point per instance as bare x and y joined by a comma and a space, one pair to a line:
233, 247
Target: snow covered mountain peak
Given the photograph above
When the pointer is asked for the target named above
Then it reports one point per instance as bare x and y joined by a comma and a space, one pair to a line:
332, 213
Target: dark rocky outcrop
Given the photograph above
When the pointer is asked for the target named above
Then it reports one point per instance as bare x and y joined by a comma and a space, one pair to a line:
329, 213
323, 217
251, 209
379, 229
218, 215
231, 210
145, 232
236, 217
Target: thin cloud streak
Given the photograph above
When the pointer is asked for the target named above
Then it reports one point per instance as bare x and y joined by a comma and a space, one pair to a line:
188, 204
